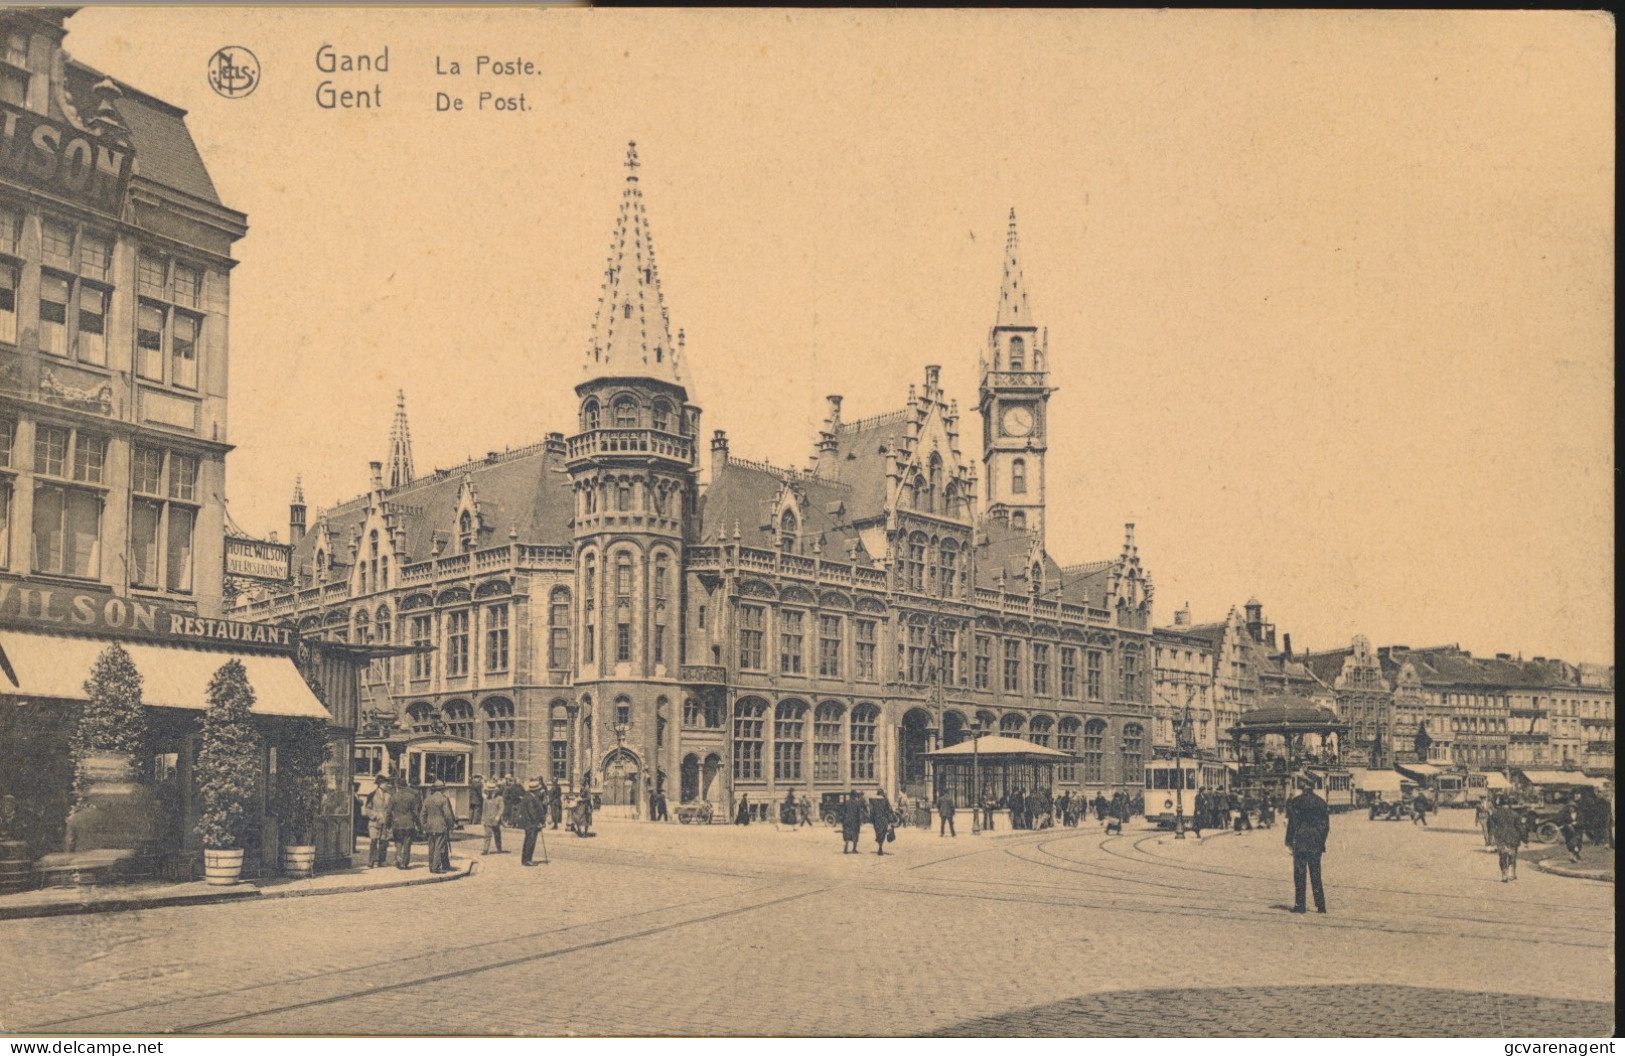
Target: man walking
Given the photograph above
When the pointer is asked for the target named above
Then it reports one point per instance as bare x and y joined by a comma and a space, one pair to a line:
405, 810
880, 816
1419, 809
804, 808
377, 815
945, 811
532, 815
476, 801
852, 810
1505, 830
491, 819
1307, 824
439, 819
555, 802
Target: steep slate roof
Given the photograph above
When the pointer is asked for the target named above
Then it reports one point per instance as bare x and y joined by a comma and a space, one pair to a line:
859, 463
1002, 548
743, 492
1086, 583
164, 151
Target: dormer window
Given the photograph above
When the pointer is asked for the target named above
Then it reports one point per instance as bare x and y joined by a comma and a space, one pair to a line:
590, 414
626, 413
787, 531
465, 529
662, 414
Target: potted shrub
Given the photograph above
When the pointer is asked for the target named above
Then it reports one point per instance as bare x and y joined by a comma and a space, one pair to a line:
300, 787
112, 731
228, 768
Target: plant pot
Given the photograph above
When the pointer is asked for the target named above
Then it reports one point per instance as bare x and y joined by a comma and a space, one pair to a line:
299, 860
222, 868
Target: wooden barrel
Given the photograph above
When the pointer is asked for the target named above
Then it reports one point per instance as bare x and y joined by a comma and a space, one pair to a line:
222, 868
16, 867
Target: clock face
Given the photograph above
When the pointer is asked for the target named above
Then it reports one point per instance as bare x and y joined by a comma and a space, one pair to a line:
1018, 421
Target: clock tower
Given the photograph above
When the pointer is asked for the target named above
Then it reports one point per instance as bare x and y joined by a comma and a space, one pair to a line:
1014, 402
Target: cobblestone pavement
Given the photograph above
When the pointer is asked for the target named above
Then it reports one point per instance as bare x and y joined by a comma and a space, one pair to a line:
677, 930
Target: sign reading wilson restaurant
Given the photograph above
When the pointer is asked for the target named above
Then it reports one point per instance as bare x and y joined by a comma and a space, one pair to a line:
40, 608
258, 559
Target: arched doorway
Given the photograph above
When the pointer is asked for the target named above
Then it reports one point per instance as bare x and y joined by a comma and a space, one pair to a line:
711, 779
621, 782
953, 729
689, 775
913, 744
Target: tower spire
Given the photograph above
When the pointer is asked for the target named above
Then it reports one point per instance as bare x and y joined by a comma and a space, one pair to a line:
400, 445
631, 335
1013, 309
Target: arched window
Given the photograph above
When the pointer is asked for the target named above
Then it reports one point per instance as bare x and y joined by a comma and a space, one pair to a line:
383, 626
1040, 729
693, 712
623, 578
590, 503
623, 712
321, 565
749, 739
421, 715
500, 728
1018, 354
662, 416
1066, 740
865, 723
1010, 725
827, 741
623, 497
950, 499
916, 561
789, 731
1018, 520
933, 483
465, 529
589, 604
626, 412
363, 627
558, 628
591, 415
787, 531
1134, 754
460, 719
1018, 476
1094, 751
949, 567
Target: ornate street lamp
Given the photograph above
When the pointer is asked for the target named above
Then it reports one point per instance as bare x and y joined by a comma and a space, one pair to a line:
976, 732
1183, 727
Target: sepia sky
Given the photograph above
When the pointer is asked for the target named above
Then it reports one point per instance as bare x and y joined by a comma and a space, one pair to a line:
1329, 295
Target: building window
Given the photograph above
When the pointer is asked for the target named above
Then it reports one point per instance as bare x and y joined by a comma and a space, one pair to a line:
421, 716
1018, 354
496, 637
589, 594
5, 522
864, 659
915, 661
789, 730
8, 300
1133, 754
53, 313
68, 520
1018, 520
159, 527
662, 416
626, 413
1095, 675
1131, 676
751, 633
749, 718
623, 712
1094, 751
693, 713
984, 662
827, 742
1039, 730
590, 415
1018, 477
500, 731
457, 644
1040, 669
460, 719
1012, 665
1066, 740
420, 633
949, 568
167, 333
623, 642
560, 732
1069, 673
829, 646
916, 563
865, 722
792, 641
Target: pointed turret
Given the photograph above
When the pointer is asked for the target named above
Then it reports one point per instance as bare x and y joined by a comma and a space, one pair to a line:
1013, 309
400, 445
631, 336
296, 512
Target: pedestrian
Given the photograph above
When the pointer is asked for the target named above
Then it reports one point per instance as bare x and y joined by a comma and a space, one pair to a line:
581, 814
880, 816
377, 815
742, 815
532, 816
555, 802
476, 801
1100, 807
804, 809
852, 814
1481, 818
787, 809
1505, 830
945, 812
1419, 809
1018, 809
491, 819
987, 811
660, 806
1307, 824
405, 817
1569, 825
439, 819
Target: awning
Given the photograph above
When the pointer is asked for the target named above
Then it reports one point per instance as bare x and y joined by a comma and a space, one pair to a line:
1376, 781
1419, 769
1005, 748
55, 667
1560, 777
1494, 779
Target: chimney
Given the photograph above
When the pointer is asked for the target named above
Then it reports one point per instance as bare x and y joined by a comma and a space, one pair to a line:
719, 447
554, 443
1182, 617
1286, 644
832, 424
377, 475
933, 375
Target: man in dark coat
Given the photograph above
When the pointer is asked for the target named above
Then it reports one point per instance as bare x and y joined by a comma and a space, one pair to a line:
1100, 807
1505, 829
852, 813
532, 816
945, 811
405, 815
880, 816
1307, 824
476, 800
439, 819
1018, 809
555, 803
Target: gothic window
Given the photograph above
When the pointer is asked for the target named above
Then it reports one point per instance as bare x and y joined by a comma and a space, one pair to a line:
1012, 665
864, 654
984, 662
787, 531
792, 641
1066, 740
916, 562
465, 530
363, 627
933, 483
1039, 730
496, 637
421, 716
751, 632
1069, 673
948, 567
1018, 476
662, 416
626, 412
500, 729
749, 739
1010, 725
421, 630
865, 722
1095, 677
789, 729
457, 644
914, 669
1018, 520
827, 742
460, 719
1094, 751
1018, 354
829, 646
1040, 653
1133, 754
591, 415
1131, 676
558, 626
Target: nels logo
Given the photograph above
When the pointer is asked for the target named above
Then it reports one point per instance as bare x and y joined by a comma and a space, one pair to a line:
234, 72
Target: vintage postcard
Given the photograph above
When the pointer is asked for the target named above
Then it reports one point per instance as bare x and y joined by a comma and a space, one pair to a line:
692, 523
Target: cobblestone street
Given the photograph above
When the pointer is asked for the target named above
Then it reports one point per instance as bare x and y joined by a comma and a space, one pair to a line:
677, 930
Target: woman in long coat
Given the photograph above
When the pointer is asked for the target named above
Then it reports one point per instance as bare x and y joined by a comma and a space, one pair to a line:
880, 816
852, 812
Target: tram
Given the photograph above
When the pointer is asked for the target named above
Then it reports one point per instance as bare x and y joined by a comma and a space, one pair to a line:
1167, 781
1334, 784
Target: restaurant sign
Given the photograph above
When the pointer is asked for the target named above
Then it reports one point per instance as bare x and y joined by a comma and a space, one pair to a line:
63, 160
257, 559
50, 608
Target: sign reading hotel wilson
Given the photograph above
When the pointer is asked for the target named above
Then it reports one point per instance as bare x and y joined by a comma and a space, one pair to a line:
62, 160
48, 608
257, 559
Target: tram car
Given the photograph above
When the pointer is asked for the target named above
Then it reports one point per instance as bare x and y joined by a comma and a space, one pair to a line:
1334, 784
1167, 781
